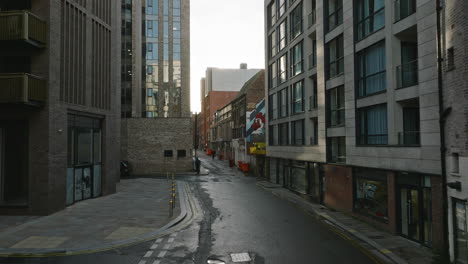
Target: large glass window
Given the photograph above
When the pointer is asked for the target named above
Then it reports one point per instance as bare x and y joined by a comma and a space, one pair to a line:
281, 7
273, 107
272, 42
313, 102
298, 97
371, 196
337, 149
334, 13
336, 104
282, 35
272, 13
371, 69
297, 132
370, 16
152, 28
296, 21
314, 131
273, 75
297, 59
404, 8
335, 57
372, 129
283, 133
282, 68
152, 7
283, 102
152, 51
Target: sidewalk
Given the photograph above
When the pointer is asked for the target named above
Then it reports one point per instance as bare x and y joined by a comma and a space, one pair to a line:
386, 247
137, 212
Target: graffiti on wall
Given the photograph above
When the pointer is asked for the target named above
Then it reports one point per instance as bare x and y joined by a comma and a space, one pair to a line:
255, 129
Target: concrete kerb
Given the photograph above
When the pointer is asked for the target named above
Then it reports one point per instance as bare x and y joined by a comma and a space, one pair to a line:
380, 252
180, 222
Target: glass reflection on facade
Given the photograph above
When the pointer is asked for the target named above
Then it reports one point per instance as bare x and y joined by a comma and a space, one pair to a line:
126, 71
162, 59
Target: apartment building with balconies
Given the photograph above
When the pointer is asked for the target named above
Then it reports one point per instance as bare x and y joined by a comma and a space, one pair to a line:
353, 109
59, 126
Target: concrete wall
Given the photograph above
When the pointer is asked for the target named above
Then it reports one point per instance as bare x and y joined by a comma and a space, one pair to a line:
150, 137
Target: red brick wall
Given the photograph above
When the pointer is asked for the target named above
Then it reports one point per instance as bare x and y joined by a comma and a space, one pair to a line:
339, 187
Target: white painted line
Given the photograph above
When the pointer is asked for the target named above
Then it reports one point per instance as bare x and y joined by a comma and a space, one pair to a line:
162, 254
157, 261
148, 254
159, 240
154, 246
170, 240
142, 262
167, 246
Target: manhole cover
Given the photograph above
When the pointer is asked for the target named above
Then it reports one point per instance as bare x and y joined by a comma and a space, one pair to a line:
240, 257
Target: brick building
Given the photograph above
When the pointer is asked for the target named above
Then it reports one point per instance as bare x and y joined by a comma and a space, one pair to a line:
59, 101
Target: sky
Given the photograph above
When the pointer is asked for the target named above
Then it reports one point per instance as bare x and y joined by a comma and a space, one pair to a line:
224, 34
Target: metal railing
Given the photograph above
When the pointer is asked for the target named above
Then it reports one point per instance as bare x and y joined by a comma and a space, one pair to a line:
404, 8
407, 74
311, 18
22, 88
22, 25
409, 138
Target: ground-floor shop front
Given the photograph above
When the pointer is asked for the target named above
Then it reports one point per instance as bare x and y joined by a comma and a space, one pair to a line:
404, 203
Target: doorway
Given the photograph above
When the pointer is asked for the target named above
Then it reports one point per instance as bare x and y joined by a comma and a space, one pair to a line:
14, 183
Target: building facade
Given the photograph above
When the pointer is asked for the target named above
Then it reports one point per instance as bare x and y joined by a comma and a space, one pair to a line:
455, 97
218, 88
59, 125
156, 85
353, 110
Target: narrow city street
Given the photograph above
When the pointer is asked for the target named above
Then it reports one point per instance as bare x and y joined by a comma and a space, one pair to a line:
231, 214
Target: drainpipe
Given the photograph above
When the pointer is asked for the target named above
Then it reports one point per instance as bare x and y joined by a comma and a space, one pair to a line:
442, 119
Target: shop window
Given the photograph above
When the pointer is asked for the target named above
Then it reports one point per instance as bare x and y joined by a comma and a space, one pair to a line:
168, 153
371, 196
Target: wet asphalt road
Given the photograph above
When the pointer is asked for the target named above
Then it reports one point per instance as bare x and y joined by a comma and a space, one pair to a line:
233, 215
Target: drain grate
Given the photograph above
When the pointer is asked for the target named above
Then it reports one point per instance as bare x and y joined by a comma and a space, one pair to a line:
240, 257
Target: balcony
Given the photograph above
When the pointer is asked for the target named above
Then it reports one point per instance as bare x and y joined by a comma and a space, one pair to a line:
407, 74
409, 138
22, 26
404, 8
22, 88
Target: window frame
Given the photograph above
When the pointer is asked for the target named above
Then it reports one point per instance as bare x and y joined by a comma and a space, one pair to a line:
295, 100
340, 109
361, 58
360, 136
299, 47
361, 23
339, 58
296, 25
337, 14
294, 139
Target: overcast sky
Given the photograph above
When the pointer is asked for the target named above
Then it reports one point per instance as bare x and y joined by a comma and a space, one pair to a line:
224, 33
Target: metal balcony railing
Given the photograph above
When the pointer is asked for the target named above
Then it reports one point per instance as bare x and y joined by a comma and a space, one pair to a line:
22, 88
404, 8
407, 74
311, 18
409, 138
22, 25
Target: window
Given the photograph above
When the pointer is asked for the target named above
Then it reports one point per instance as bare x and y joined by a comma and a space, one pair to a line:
272, 13
314, 130
273, 75
335, 57
282, 68
272, 136
371, 70
450, 59
337, 149
336, 104
281, 8
372, 125
298, 97
297, 59
282, 35
152, 7
296, 21
297, 132
371, 196
283, 102
181, 153
168, 153
334, 14
404, 8
152, 28
455, 163
151, 51
273, 107
313, 55
313, 104
272, 42
283, 133
370, 17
